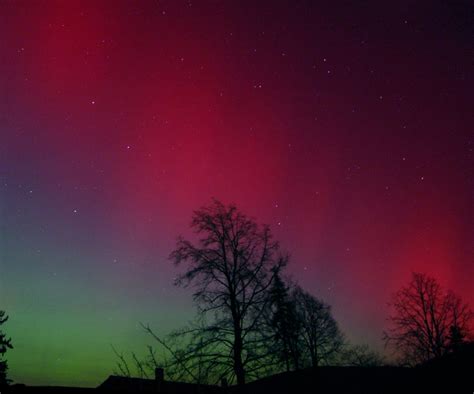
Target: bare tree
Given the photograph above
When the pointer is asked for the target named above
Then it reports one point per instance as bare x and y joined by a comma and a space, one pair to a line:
319, 330
231, 266
427, 320
191, 356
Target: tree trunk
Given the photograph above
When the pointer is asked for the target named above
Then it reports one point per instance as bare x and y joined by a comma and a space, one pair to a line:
296, 359
286, 353
314, 357
238, 365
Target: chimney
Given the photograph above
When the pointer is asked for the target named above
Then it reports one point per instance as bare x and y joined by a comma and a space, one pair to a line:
159, 379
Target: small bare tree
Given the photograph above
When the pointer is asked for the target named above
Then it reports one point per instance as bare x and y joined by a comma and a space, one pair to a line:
427, 321
361, 356
231, 266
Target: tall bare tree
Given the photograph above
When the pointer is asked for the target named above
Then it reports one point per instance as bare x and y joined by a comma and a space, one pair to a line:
427, 321
320, 332
231, 267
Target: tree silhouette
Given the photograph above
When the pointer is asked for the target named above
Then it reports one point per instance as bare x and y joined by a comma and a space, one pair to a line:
284, 325
361, 356
5, 344
427, 321
231, 266
320, 332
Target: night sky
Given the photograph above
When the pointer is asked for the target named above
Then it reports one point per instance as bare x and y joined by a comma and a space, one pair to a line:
348, 128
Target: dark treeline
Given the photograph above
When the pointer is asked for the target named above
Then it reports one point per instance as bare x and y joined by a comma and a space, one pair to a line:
252, 321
